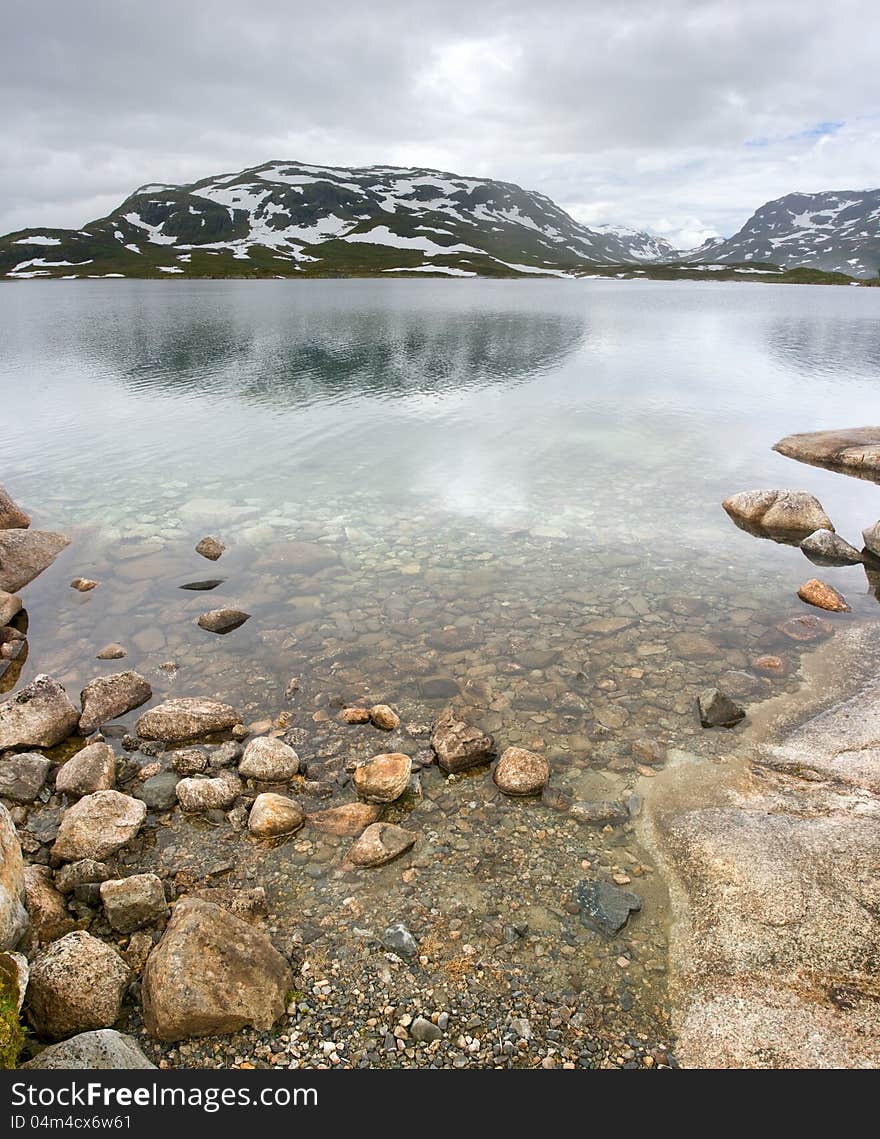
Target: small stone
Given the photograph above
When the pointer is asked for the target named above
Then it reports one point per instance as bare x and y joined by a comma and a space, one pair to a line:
605, 908
789, 512
273, 815
131, 903
22, 776
355, 715
520, 772
98, 825
210, 548
717, 710
380, 843
12, 517
599, 812
200, 794
158, 791
189, 761
137, 951
424, 1031
112, 651
269, 760
85, 872
345, 821
459, 745
109, 697
648, 751
399, 940
203, 586
76, 984
824, 547
83, 584
92, 769
769, 665
384, 717
222, 620
823, 596
383, 778
292, 688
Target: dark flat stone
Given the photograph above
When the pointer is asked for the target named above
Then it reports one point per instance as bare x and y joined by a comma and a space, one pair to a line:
605, 908
202, 586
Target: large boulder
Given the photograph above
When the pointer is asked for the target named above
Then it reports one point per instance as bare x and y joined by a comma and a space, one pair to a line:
101, 1049
48, 911
22, 776
24, 554
269, 760
273, 815
212, 973
459, 745
108, 697
12, 517
77, 983
186, 718
131, 903
40, 715
786, 513
90, 770
850, 450
98, 825
383, 778
13, 915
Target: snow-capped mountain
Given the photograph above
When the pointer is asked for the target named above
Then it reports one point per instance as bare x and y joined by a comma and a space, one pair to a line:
838, 231
293, 219
635, 245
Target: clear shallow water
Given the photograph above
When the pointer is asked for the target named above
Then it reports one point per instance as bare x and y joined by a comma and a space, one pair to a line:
502, 493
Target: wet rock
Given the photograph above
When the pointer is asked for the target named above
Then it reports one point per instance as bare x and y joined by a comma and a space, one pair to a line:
459, 745
383, 778
102, 1049
22, 776
76, 984
851, 451
600, 811
273, 815
784, 512
12, 517
355, 715
826, 548
212, 973
210, 548
345, 821
186, 718
292, 688
384, 717
85, 872
304, 557
200, 794
13, 915
39, 715
398, 939
225, 754
108, 697
648, 751
113, 651
92, 769
605, 908
159, 791
380, 843
556, 798
269, 760
806, 628
823, 596
222, 620
203, 586
48, 911
98, 825
438, 688
9, 606
769, 665
717, 710
24, 554
742, 685
189, 761
84, 584
131, 903
424, 1030
871, 537
521, 772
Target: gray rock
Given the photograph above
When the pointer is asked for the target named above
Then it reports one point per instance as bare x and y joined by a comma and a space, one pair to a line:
92, 769
200, 794
109, 697
599, 812
189, 761
717, 710
186, 718
76, 984
131, 903
102, 1049
98, 825
12, 517
24, 554
825, 548
269, 760
39, 715
459, 745
605, 908
212, 973
22, 776
424, 1030
85, 872
743, 685
159, 792
399, 940
9, 606
222, 620
13, 915
783, 512
872, 539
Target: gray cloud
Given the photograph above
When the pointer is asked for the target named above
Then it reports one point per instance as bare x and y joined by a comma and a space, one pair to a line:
677, 115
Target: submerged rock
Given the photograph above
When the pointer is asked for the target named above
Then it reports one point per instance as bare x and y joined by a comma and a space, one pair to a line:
210, 548
380, 843
98, 825
717, 710
24, 554
212, 973
823, 596
77, 983
13, 915
159, 791
84, 584
222, 620
605, 908
851, 451
111, 652
521, 772
109, 697
459, 745
383, 778
355, 715
12, 517
824, 547
345, 821
204, 586
269, 760
92, 769
39, 715
102, 1049
185, 718
273, 815
777, 512
599, 812
806, 628
22, 776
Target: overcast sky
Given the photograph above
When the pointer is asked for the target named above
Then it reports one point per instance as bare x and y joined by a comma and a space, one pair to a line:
675, 116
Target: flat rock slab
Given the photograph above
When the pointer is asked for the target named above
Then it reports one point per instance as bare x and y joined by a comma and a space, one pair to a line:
186, 718
204, 586
380, 843
605, 908
22, 776
851, 450
24, 554
101, 1049
40, 715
